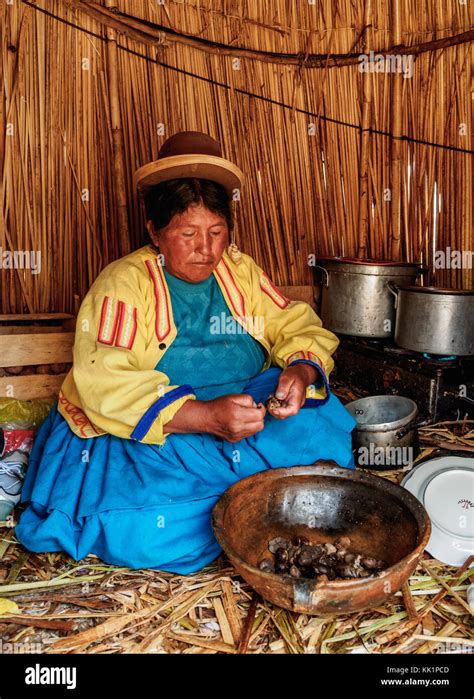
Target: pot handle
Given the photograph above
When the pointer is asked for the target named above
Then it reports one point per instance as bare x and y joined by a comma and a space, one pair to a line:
393, 288
326, 283
413, 426
302, 594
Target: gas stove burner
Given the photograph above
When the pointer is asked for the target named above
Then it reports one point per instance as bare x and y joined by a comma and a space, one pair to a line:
393, 349
439, 357
373, 341
373, 344
435, 360
368, 341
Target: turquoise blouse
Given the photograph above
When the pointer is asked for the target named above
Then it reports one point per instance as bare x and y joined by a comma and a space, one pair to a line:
211, 352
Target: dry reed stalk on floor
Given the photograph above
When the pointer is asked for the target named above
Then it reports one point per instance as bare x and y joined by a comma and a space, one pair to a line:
92, 607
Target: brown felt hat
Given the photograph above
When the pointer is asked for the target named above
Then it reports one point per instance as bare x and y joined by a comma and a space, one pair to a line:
189, 154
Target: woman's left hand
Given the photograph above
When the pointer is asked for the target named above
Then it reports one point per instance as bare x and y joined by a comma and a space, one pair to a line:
291, 389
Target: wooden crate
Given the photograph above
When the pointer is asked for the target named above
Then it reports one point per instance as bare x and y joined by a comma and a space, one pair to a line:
300, 293
38, 343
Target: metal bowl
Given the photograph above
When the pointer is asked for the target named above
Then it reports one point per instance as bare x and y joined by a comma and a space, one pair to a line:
384, 413
322, 502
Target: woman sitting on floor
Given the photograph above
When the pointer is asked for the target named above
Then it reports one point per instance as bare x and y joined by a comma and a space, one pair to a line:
178, 345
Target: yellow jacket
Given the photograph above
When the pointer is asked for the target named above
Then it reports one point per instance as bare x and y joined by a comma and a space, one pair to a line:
125, 325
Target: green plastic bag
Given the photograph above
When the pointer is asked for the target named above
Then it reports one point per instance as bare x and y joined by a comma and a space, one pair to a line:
24, 414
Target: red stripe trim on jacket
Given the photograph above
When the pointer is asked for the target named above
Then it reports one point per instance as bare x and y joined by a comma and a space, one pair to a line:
162, 322
273, 293
236, 289
124, 315
100, 337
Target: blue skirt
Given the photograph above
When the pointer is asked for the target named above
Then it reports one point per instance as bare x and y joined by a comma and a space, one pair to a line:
149, 506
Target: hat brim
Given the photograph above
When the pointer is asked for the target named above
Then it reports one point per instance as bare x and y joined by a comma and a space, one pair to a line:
207, 167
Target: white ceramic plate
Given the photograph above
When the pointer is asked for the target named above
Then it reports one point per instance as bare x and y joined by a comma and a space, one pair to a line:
445, 486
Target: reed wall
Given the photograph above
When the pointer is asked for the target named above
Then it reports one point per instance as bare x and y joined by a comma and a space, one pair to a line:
338, 161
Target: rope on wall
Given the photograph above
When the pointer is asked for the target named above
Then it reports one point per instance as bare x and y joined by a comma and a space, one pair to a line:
441, 43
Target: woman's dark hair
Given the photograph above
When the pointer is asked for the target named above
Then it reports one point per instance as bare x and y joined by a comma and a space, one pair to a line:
172, 197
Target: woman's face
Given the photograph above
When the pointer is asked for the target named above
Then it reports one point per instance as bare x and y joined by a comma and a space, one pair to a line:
192, 243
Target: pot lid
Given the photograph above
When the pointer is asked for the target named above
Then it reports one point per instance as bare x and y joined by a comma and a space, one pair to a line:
437, 290
357, 261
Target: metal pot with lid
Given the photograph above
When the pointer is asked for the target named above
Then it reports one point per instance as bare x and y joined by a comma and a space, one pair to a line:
356, 298
434, 320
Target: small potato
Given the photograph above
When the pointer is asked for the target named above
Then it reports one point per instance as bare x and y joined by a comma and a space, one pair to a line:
330, 548
295, 572
267, 565
368, 563
278, 543
273, 402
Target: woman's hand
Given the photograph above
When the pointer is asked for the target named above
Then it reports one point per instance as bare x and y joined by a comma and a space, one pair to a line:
232, 417
291, 389
235, 416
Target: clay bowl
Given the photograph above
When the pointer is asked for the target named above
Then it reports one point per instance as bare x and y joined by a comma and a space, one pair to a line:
322, 502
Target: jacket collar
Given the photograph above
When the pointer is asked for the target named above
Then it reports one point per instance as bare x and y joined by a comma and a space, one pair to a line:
231, 290
164, 324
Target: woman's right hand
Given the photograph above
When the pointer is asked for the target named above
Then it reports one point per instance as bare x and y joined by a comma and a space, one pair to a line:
235, 416
231, 417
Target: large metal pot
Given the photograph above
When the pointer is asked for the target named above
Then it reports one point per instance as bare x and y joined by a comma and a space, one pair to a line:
436, 321
356, 299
